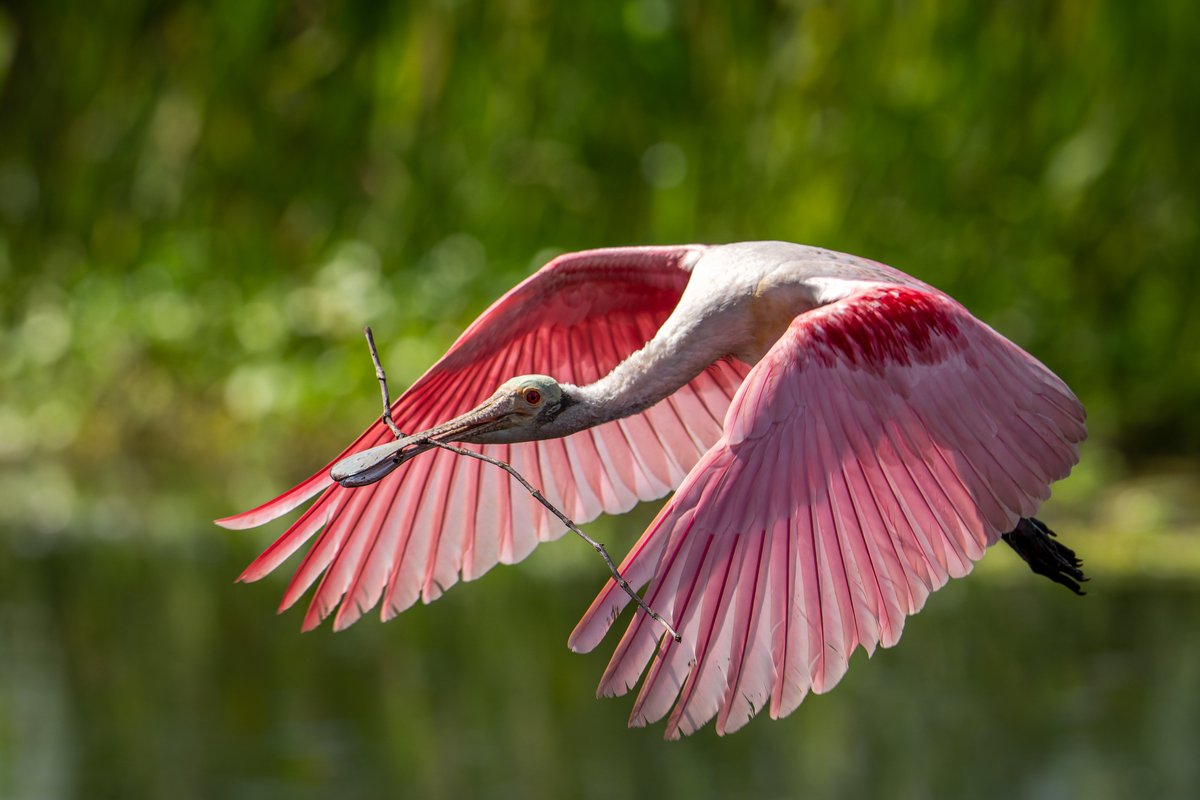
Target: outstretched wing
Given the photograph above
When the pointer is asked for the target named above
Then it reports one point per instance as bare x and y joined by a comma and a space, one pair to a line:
414, 533
879, 447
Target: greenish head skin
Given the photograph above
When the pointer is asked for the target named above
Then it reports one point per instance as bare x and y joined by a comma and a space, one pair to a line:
518, 411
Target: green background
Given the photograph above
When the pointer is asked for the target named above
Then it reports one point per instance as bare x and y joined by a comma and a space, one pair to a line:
202, 203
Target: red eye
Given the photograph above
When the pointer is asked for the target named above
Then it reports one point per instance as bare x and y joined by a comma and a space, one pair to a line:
533, 396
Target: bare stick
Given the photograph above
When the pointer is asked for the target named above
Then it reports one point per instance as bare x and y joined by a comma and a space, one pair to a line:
599, 548
382, 378
537, 495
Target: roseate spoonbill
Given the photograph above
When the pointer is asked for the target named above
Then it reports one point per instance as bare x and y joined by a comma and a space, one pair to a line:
842, 439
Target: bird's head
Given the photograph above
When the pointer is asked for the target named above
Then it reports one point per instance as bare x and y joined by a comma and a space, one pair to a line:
519, 411
516, 412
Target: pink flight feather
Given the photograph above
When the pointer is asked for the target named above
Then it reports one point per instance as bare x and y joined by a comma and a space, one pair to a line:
418, 531
884, 441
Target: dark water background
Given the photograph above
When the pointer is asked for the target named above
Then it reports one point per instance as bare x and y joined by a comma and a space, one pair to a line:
131, 676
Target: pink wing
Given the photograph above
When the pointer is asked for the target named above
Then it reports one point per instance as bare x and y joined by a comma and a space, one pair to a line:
443, 516
880, 446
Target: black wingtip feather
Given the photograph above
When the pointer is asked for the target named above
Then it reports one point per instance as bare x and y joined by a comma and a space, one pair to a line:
1040, 548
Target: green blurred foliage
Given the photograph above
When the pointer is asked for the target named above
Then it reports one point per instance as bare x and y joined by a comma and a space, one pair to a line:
202, 203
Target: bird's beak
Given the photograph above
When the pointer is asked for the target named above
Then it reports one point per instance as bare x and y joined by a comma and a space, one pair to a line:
369, 466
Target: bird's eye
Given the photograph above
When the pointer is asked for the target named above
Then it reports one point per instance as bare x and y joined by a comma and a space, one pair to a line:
533, 396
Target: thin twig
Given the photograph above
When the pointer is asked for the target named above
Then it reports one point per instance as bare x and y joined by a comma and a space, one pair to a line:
382, 378
599, 548
537, 495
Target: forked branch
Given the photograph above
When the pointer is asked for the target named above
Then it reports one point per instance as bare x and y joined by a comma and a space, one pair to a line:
537, 495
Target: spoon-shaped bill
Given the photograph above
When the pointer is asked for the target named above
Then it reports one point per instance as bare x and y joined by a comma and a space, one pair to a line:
369, 466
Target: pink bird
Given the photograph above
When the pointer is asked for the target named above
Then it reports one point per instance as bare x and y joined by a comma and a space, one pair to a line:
842, 439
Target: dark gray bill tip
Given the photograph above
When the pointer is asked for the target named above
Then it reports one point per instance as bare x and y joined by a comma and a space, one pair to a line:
369, 466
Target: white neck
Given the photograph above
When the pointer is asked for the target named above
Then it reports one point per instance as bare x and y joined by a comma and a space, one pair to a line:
667, 362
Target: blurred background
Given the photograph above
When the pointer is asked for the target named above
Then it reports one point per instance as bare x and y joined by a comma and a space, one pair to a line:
201, 203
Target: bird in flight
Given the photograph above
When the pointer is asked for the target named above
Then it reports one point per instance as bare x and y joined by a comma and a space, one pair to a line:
841, 438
